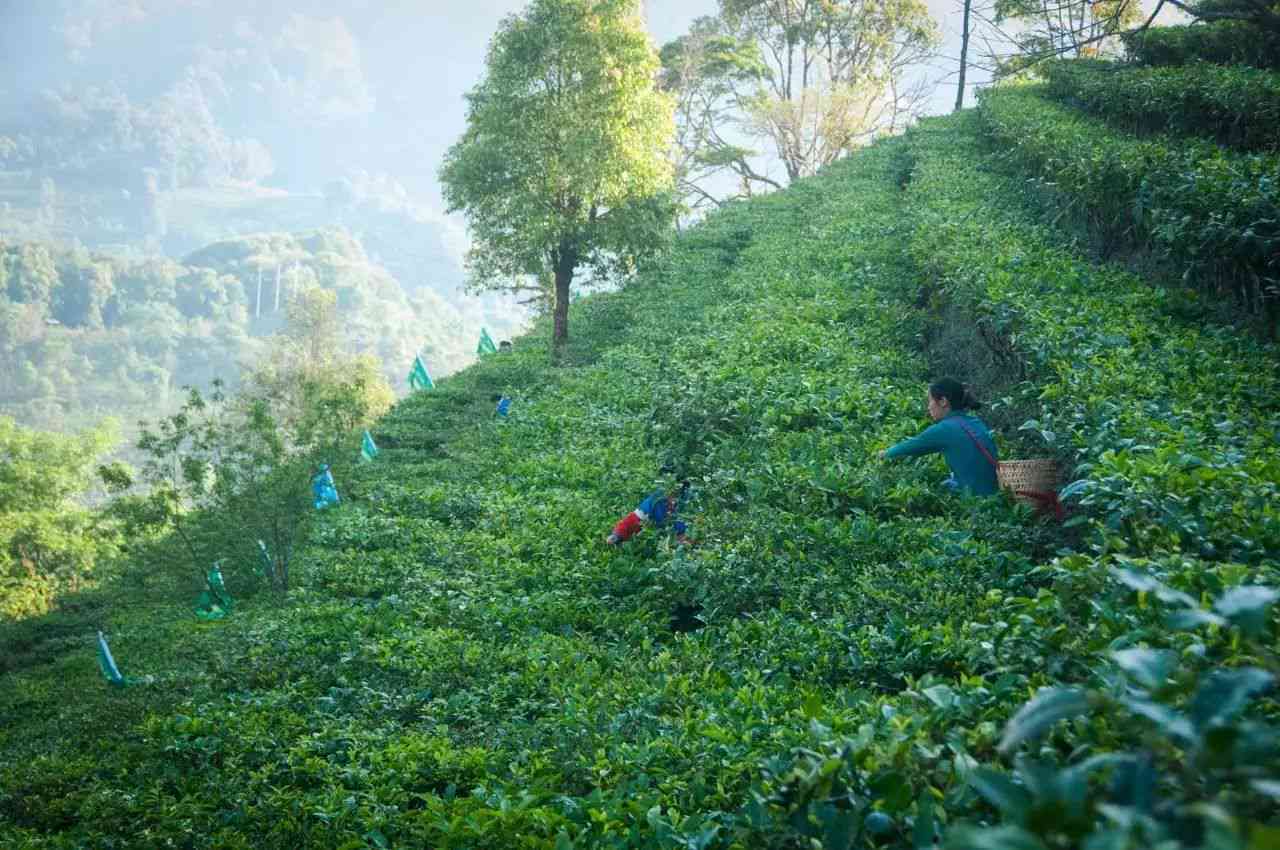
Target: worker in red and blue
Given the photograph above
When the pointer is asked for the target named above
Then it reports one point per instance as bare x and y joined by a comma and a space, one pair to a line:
661, 509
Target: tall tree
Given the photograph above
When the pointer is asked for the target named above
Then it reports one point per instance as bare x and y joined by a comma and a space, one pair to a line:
809, 80
706, 71
1018, 34
965, 32
564, 160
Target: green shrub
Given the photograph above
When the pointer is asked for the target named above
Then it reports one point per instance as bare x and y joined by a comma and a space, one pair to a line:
49, 542
1220, 43
1216, 214
1106, 362
461, 662
1240, 107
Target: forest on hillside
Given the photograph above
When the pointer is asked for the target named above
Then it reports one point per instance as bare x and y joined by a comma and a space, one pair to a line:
144, 190
84, 336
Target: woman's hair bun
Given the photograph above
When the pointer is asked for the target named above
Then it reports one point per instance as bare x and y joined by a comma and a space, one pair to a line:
956, 393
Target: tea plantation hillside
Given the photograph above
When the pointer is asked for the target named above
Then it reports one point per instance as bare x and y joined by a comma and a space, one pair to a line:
847, 656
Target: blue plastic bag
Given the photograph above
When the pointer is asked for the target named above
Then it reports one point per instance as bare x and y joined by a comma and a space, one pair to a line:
323, 488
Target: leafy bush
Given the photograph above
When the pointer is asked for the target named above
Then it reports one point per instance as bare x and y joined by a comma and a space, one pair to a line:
1106, 362
1238, 106
1152, 713
49, 542
1216, 214
1165, 712
1220, 42
843, 656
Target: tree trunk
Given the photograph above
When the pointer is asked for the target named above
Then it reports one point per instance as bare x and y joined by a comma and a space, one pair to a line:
565, 260
964, 55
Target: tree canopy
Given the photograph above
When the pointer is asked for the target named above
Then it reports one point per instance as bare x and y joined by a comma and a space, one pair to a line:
805, 80
564, 160
47, 541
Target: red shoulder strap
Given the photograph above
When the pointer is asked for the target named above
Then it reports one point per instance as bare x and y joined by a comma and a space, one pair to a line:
978, 443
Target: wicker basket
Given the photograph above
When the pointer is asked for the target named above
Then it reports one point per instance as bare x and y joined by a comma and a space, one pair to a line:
1031, 481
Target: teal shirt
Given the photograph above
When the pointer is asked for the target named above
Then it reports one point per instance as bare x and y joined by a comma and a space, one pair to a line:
969, 466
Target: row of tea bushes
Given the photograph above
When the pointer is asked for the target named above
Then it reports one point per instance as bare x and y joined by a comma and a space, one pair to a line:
1239, 106
1214, 213
1218, 43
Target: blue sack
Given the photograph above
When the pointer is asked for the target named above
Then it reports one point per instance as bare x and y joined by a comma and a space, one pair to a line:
323, 488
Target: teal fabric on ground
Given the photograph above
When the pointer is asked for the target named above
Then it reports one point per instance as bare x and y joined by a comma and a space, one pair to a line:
111, 672
215, 602
969, 467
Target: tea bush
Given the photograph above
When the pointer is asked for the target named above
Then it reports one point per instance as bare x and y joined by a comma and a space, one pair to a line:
1138, 720
1215, 213
1220, 43
1238, 106
847, 656
1105, 362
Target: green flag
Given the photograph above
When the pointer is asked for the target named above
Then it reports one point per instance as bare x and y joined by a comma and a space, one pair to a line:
368, 448
108, 664
419, 378
486, 345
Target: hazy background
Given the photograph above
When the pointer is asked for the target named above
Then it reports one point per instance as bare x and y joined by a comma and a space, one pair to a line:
172, 170
328, 85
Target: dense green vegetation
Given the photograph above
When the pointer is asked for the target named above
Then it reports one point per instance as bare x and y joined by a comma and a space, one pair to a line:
48, 543
1220, 43
848, 656
1240, 106
564, 164
223, 471
84, 336
1214, 213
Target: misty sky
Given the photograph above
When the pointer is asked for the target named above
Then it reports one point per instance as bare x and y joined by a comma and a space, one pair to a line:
456, 61
442, 72
439, 74
331, 87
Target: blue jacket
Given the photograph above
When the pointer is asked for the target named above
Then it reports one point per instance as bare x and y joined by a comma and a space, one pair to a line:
657, 508
970, 468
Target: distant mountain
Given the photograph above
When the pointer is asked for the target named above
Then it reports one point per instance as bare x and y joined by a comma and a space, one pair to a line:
85, 335
158, 156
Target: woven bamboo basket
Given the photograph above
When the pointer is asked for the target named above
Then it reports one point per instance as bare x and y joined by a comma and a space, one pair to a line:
1029, 480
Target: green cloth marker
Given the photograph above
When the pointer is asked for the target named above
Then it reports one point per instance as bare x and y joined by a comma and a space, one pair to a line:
419, 378
368, 448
